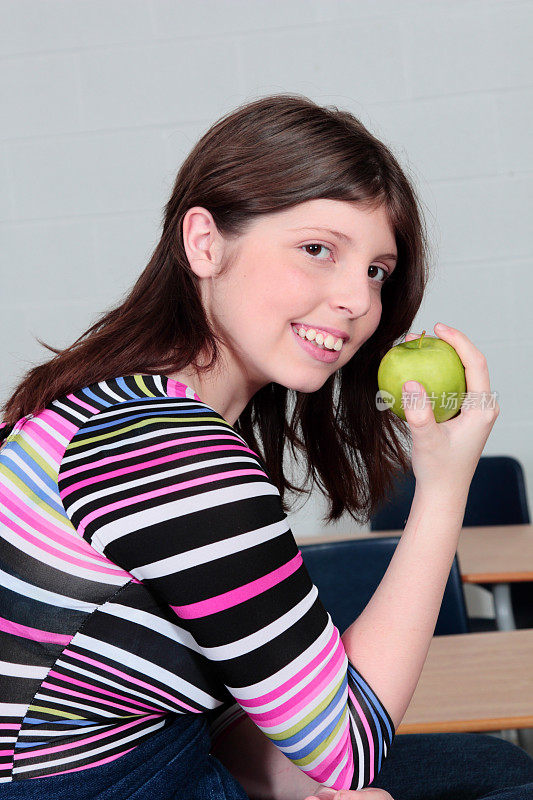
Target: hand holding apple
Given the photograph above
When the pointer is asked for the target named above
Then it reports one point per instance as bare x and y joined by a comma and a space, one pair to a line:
444, 456
431, 361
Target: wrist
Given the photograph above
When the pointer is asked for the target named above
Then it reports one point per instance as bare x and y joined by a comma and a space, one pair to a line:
442, 499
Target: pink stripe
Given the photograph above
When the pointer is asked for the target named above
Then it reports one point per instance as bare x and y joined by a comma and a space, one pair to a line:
6, 752
8, 726
305, 697
293, 680
85, 696
46, 548
61, 425
366, 726
80, 742
130, 679
87, 766
142, 451
236, 596
323, 770
182, 486
97, 690
156, 462
73, 541
82, 404
50, 445
35, 634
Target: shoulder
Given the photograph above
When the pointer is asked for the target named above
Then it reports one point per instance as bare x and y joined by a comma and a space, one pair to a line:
153, 459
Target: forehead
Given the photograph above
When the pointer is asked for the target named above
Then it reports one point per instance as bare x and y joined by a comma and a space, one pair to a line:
349, 219
335, 213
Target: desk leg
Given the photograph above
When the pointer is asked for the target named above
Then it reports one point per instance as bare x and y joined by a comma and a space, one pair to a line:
505, 621
503, 607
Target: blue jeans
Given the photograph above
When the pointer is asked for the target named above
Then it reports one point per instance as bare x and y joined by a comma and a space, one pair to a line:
174, 764
455, 766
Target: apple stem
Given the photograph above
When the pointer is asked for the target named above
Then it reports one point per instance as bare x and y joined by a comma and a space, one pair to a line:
420, 340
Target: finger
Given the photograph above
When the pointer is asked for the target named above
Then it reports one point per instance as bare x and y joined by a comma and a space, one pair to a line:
417, 407
474, 362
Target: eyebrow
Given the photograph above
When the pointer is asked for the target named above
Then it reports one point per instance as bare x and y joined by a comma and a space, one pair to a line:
342, 236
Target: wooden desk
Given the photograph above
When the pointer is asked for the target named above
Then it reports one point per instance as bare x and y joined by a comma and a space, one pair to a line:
474, 682
487, 554
493, 554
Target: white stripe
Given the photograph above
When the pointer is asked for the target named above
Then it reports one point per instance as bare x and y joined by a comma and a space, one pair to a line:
16, 710
295, 688
162, 474
83, 417
61, 565
324, 754
49, 428
253, 690
22, 671
152, 622
27, 468
359, 762
145, 668
254, 640
70, 731
313, 734
89, 753
159, 703
43, 595
181, 507
152, 437
210, 552
46, 538
8, 739
73, 704
337, 771
106, 388
300, 713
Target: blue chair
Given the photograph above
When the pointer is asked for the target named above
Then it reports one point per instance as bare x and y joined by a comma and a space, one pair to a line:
348, 572
497, 496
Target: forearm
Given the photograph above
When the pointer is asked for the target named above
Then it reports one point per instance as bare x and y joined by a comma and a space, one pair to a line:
259, 766
389, 641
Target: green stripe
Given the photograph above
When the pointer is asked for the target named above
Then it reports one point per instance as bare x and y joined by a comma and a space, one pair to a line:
135, 426
55, 713
30, 494
300, 762
309, 718
139, 380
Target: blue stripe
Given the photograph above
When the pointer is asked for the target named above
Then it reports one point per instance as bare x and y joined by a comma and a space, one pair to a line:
15, 468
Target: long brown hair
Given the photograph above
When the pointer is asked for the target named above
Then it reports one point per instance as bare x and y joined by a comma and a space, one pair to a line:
266, 156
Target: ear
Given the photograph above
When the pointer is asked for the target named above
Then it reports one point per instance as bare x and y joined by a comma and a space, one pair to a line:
202, 242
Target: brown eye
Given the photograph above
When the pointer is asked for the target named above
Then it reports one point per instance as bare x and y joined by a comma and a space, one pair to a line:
319, 246
378, 266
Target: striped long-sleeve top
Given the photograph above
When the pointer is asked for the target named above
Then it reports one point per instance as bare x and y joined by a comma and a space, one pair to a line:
147, 570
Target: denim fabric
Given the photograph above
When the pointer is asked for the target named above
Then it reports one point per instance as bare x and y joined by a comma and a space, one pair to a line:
173, 764
456, 766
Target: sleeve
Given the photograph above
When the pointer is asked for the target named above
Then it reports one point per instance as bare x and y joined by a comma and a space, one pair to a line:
196, 519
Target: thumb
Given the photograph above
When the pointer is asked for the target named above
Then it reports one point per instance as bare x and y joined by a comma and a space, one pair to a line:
416, 405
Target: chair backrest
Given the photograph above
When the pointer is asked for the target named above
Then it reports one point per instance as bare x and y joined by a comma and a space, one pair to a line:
497, 496
348, 572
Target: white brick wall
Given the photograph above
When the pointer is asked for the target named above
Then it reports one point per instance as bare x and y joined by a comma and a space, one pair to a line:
102, 99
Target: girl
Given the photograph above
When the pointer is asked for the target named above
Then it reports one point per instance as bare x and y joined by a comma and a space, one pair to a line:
160, 634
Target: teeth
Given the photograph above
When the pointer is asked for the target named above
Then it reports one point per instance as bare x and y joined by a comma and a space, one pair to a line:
328, 343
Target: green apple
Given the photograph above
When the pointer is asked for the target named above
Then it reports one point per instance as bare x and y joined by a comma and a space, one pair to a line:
432, 362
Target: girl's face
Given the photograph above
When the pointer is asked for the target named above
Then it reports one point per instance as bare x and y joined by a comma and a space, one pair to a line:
289, 269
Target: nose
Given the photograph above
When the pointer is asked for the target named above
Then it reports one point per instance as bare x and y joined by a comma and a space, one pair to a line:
353, 293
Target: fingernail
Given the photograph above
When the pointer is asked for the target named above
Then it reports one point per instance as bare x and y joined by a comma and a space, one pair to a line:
441, 326
411, 386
